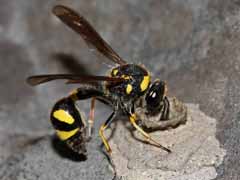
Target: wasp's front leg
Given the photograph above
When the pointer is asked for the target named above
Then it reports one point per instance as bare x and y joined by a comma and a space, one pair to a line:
132, 118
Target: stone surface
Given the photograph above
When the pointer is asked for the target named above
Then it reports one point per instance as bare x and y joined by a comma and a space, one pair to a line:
191, 44
40, 161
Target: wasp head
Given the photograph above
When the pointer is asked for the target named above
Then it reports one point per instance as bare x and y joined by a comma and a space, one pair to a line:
155, 97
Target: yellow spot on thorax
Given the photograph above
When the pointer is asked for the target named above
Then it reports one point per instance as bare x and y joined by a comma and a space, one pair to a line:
129, 89
145, 83
115, 71
64, 135
63, 116
126, 77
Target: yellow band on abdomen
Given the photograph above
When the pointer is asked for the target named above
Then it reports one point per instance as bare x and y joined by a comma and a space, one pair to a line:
64, 135
63, 116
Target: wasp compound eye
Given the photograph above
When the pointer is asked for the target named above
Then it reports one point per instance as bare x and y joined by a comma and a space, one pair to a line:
154, 97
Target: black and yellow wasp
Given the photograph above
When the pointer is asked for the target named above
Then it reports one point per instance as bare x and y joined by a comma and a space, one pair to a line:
126, 84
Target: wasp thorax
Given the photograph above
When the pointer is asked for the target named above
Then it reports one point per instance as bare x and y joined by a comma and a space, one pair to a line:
136, 80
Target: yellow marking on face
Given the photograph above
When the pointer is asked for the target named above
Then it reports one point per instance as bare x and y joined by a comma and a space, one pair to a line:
115, 71
129, 89
145, 82
63, 116
64, 135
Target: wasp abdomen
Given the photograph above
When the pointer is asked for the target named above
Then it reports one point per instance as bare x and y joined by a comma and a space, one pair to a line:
69, 125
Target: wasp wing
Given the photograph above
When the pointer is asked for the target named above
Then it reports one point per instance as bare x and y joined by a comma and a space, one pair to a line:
71, 78
80, 25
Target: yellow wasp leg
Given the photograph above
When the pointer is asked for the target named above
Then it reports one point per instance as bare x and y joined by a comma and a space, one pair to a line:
146, 135
104, 140
102, 128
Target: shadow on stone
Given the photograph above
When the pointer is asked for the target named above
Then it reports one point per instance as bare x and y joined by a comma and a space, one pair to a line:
70, 63
64, 151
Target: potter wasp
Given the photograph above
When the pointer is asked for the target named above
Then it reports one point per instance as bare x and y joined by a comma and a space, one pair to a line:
125, 85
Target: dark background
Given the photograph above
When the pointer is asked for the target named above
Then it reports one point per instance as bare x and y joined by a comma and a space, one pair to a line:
191, 44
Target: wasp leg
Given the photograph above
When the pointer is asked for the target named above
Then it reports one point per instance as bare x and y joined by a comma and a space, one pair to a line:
102, 128
85, 93
132, 118
91, 117
166, 106
104, 140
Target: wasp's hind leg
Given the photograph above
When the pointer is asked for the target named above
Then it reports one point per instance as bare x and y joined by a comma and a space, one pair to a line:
91, 117
86, 93
69, 125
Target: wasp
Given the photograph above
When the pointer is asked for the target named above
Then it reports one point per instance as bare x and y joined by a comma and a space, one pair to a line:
122, 89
